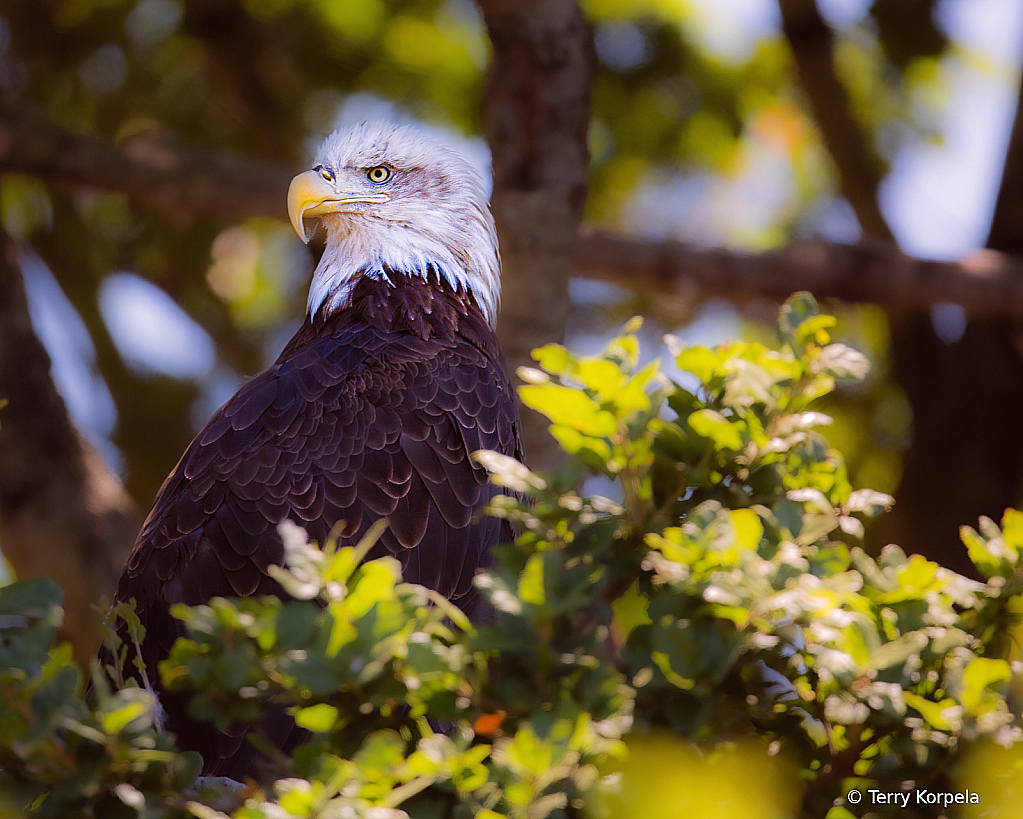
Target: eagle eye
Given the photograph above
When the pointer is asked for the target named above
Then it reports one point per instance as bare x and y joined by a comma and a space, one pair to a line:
378, 174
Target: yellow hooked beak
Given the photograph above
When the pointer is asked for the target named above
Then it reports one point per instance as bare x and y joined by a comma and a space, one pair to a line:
310, 194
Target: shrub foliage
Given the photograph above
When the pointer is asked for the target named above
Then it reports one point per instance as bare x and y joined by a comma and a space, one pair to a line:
712, 641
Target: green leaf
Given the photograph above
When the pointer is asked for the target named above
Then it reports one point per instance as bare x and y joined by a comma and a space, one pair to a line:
981, 674
531, 586
631, 610
554, 358
187, 767
748, 527
527, 753
569, 407
601, 376
711, 424
373, 583
814, 330
798, 308
319, 718
897, 652
699, 361
991, 556
595, 452
295, 624
842, 361
139, 703
938, 714
299, 797
30, 598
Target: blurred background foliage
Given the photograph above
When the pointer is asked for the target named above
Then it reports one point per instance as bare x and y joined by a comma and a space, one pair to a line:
699, 132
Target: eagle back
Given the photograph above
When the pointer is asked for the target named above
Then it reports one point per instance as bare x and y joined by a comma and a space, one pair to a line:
373, 411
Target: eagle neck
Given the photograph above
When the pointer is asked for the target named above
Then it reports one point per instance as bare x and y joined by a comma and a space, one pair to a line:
426, 307
355, 257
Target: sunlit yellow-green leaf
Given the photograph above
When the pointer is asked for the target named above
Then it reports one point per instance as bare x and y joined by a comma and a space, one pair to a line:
531, 588
571, 408
748, 527
572, 440
298, 796
600, 375
318, 718
981, 674
375, 582
630, 611
712, 424
554, 358
699, 361
936, 713
117, 720
665, 776
994, 774
1012, 534
526, 752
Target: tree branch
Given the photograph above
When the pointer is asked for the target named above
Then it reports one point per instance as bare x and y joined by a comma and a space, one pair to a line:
154, 172
986, 284
813, 45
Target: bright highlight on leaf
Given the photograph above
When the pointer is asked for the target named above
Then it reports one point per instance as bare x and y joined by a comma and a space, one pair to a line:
321, 717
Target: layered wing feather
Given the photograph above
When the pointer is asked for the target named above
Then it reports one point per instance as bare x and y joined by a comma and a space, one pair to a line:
360, 418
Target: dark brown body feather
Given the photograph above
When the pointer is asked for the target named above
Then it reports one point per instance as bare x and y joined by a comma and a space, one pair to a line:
371, 412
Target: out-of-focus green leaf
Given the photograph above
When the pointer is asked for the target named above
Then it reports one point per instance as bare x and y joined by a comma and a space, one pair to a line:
711, 424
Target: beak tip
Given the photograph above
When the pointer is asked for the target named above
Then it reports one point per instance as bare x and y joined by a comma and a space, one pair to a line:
302, 196
299, 226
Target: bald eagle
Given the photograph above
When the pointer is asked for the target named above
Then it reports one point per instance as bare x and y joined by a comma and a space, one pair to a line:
372, 411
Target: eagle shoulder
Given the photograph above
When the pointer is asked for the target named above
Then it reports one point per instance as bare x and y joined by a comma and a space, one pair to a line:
358, 419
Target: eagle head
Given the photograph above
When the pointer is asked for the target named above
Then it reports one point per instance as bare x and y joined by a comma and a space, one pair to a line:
394, 201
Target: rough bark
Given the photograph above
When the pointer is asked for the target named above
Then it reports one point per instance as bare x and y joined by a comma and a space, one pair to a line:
63, 514
536, 120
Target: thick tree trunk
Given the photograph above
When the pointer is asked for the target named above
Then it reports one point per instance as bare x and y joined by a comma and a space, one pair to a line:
63, 514
966, 458
537, 118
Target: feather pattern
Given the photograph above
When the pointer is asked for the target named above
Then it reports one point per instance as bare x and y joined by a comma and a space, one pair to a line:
370, 411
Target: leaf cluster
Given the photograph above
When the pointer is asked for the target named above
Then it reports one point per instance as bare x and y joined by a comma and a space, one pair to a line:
62, 755
717, 616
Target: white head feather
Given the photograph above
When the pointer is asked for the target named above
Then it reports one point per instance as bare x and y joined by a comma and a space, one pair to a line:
430, 213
